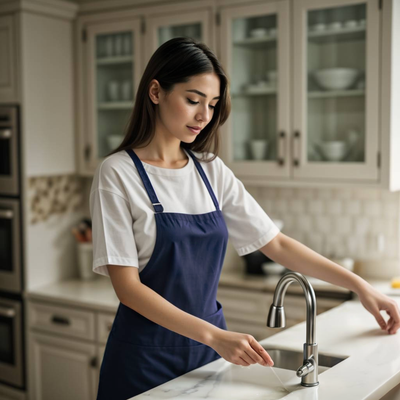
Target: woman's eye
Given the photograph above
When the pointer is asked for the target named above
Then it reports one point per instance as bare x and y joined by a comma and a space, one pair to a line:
194, 102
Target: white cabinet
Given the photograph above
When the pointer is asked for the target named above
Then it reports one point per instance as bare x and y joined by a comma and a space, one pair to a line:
306, 90
63, 369
313, 100
66, 347
247, 311
112, 56
8, 60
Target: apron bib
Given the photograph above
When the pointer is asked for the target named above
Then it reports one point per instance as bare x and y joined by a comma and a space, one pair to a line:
184, 268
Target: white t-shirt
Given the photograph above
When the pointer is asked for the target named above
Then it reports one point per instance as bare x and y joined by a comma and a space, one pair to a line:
123, 222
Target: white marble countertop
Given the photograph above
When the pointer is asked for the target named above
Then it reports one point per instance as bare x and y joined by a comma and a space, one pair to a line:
371, 369
98, 294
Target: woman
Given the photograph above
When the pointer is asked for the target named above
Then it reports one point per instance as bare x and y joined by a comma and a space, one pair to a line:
164, 249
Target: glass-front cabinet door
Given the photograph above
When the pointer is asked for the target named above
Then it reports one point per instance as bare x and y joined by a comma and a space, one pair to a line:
196, 24
336, 94
255, 54
113, 74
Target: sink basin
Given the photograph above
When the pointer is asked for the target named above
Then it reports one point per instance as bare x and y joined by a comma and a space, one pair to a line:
292, 360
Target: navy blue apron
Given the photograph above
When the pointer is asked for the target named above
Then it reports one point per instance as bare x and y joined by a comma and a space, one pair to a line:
184, 268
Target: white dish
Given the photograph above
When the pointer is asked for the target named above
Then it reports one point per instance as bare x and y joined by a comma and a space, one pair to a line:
333, 150
114, 141
271, 268
336, 78
259, 32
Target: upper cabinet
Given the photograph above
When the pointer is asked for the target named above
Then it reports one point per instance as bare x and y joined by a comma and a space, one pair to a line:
312, 85
8, 60
113, 70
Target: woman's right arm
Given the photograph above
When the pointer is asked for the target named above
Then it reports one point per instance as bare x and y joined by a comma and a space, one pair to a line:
237, 348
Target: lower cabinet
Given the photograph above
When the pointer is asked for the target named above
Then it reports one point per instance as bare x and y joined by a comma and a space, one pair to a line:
66, 348
63, 369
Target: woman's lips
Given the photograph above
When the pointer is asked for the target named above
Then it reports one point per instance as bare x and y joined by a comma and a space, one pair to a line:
193, 130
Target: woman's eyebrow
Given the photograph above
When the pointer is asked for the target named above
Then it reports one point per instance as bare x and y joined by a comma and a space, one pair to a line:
201, 94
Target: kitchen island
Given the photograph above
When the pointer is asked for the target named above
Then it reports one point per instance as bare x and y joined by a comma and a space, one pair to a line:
370, 369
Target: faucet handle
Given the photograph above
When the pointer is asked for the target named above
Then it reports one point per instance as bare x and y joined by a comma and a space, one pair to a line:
305, 369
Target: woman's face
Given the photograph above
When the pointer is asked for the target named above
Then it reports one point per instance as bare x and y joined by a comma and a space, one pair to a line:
189, 104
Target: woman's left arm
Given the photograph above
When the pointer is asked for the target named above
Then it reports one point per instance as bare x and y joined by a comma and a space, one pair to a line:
294, 255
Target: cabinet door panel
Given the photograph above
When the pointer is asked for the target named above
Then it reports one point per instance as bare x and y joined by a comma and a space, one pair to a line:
61, 369
336, 89
113, 70
255, 54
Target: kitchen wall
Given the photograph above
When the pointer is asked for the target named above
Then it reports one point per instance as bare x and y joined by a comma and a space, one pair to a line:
363, 224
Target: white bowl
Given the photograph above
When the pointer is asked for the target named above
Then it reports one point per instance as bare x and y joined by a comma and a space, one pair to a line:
333, 150
114, 141
272, 75
259, 32
271, 268
336, 78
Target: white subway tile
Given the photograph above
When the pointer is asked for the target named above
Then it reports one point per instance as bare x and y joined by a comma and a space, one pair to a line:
296, 206
299, 236
342, 225
285, 193
342, 194
351, 245
305, 193
314, 241
391, 208
268, 193
390, 196
281, 205
324, 194
352, 207
303, 223
288, 223
362, 226
367, 194
323, 224
334, 207
372, 208
315, 207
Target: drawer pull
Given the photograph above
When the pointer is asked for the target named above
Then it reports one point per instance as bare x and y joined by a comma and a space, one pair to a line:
93, 362
60, 320
109, 326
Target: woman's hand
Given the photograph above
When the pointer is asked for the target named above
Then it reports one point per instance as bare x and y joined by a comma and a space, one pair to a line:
374, 301
239, 348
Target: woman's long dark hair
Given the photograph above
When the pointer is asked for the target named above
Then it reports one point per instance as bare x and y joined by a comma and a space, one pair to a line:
177, 61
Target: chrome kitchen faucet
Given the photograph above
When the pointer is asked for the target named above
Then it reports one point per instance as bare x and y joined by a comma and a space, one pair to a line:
276, 319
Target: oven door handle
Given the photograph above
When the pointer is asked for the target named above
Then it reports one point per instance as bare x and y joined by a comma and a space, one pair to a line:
6, 214
5, 133
7, 312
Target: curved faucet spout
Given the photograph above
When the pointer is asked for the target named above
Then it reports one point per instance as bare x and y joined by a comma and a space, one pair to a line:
311, 304
276, 319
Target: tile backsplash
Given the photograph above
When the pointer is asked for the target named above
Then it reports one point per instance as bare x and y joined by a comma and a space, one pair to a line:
360, 223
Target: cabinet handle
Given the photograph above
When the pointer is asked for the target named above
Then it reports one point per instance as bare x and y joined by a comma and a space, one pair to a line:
281, 148
6, 214
109, 326
93, 362
5, 133
60, 320
296, 157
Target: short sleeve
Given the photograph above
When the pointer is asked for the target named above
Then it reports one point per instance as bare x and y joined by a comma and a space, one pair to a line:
249, 227
112, 231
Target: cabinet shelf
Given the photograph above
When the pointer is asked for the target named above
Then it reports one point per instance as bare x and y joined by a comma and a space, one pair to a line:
343, 34
115, 105
254, 92
257, 42
335, 93
115, 60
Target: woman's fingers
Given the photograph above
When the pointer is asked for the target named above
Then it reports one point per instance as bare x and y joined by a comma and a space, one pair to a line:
259, 353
